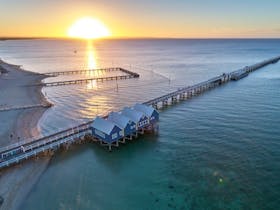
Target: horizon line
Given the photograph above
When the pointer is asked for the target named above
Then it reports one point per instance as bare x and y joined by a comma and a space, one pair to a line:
3, 38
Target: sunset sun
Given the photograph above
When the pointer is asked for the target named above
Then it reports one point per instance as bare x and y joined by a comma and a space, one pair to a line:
88, 28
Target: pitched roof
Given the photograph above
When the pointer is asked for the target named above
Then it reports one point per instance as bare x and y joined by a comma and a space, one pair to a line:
147, 110
103, 125
119, 119
132, 114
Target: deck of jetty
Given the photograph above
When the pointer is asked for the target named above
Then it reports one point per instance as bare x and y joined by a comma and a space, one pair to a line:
30, 106
82, 71
128, 75
15, 153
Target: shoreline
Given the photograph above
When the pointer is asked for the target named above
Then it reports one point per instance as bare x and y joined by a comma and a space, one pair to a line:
16, 182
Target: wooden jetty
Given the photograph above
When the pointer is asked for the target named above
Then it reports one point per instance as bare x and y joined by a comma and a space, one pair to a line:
89, 80
129, 75
16, 153
82, 71
28, 148
188, 92
30, 106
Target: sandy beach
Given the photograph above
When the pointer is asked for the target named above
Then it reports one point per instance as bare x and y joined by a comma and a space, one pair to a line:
16, 125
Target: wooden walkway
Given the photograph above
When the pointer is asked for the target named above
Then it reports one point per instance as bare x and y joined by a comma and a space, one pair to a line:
188, 92
30, 106
28, 148
88, 71
129, 75
82, 71
16, 153
85, 81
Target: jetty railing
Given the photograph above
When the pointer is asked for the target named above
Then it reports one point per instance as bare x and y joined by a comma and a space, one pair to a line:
30, 106
15, 153
81, 71
190, 91
9, 153
129, 75
81, 81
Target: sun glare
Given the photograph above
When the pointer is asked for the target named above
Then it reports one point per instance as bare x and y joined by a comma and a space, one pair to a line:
88, 28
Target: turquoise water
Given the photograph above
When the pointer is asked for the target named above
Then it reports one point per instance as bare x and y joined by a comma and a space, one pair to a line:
220, 150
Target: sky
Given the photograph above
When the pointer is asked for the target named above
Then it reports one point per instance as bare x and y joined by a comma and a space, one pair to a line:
144, 18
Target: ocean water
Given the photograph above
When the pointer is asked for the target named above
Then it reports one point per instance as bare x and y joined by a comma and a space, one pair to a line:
220, 150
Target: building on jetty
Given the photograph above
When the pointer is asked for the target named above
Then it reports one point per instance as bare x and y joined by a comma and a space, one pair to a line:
237, 75
106, 131
120, 126
128, 126
149, 111
139, 118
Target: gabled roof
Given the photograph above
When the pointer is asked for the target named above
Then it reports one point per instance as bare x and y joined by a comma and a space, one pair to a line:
147, 110
132, 114
103, 125
119, 119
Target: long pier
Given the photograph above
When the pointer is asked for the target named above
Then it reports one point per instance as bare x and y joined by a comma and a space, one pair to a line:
189, 91
129, 75
20, 151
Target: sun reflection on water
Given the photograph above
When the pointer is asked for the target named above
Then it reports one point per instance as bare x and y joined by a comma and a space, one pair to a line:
91, 65
91, 56
92, 85
96, 105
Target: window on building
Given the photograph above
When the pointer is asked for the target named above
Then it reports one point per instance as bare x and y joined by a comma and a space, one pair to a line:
114, 135
121, 133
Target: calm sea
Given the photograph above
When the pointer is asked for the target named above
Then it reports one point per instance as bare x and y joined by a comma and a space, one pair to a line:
220, 150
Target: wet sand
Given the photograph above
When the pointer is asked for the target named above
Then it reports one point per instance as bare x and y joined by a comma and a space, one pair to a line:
16, 125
